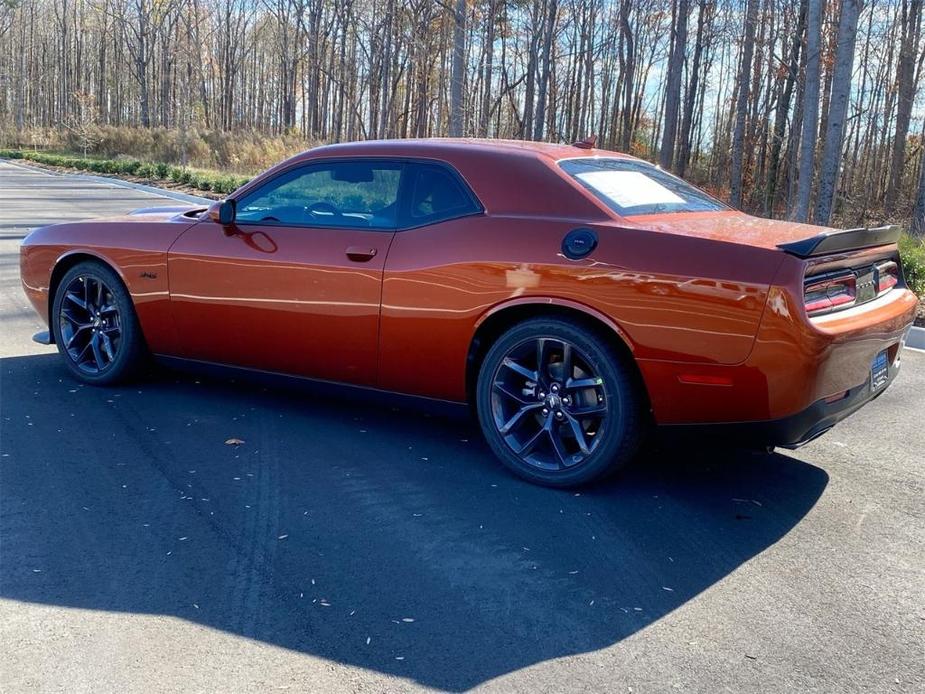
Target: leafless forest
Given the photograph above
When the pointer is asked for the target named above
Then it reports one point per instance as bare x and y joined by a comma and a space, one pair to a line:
806, 109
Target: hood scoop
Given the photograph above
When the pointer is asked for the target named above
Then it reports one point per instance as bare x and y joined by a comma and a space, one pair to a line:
187, 210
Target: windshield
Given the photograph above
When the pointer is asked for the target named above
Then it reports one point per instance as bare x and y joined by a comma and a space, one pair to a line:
632, 187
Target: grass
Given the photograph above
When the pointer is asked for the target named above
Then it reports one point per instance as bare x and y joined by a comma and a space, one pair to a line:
912, 252
206, 181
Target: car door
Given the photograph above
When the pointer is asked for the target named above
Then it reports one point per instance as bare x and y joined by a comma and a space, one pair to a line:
438, 280
294, 284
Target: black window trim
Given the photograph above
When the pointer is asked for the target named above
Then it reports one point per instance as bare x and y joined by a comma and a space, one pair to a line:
475, 206
406, 166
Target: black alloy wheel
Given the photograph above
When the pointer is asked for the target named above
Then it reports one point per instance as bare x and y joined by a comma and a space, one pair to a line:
90, 324
548, 404
95, 326
557, 404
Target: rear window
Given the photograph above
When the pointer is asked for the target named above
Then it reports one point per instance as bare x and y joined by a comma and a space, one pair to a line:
634, 187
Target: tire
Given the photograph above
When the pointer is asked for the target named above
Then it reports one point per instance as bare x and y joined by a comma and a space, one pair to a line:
92, 305
532, 417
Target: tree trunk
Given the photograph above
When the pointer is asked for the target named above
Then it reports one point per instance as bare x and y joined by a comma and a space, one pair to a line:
810, 108
540, 116
459, 66
485, 111
917, 228
626, 30
673, 88
782, 111
906, 78
690, 98
838, 110
742, 83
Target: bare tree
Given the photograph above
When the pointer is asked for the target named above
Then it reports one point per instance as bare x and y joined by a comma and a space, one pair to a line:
545, 70
458, 78
731, 94
83, 123
906, 79
741, 105
704, 15
810, 108
917, 227
6, 15
681, 10
838, 110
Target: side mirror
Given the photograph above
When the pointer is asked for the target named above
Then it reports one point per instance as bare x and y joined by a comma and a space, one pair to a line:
223, 212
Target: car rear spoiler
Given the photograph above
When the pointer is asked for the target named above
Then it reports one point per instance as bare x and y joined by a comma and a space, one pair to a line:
837, 240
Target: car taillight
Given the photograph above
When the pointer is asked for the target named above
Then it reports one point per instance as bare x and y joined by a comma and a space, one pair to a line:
887, 276
822, 294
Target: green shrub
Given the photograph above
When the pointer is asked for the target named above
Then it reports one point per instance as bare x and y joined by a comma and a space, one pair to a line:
147, 171
128, 166
227, 184
201, 181
214, 181
912, 251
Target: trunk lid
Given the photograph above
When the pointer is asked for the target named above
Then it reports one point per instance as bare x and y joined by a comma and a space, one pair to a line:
732, 226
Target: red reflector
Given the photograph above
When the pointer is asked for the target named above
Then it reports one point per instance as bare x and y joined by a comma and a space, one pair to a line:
705, 380
836, 397
887, 282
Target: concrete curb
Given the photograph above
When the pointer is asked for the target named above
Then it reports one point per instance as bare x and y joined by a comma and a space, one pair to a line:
915, 339
117, 182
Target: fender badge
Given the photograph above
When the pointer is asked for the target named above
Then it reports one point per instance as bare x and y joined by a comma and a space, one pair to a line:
149, 275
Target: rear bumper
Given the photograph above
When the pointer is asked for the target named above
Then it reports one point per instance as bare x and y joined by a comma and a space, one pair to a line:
817, 419
797, 429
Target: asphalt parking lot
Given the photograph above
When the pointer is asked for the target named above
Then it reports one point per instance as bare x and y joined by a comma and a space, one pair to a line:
367, 547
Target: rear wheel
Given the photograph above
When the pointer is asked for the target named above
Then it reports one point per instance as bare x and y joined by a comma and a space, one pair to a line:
95, 326
557, 405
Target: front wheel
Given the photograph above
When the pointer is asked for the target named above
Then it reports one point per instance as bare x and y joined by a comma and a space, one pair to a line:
557, 405
95, 326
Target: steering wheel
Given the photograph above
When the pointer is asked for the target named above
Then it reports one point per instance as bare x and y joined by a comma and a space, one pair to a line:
323, 209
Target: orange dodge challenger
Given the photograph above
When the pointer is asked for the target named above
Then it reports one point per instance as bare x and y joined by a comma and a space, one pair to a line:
572, 296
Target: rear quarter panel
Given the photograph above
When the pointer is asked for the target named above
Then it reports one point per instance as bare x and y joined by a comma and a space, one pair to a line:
670, 297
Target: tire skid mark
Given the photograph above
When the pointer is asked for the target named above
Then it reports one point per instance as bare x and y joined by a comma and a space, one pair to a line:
464, 561
250, 569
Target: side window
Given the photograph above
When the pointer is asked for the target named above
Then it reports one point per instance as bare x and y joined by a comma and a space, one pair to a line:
436, 194
348, 194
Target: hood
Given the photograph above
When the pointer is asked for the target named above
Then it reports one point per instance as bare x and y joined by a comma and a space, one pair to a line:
729, 226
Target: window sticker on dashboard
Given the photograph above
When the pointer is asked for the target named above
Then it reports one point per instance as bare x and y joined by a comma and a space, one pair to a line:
629, 188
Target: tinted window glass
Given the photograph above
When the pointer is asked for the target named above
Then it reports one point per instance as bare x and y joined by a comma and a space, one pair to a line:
437, 194
350, 194
635, 187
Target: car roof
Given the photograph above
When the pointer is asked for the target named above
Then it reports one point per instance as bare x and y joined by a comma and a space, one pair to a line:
507, 176
450, 147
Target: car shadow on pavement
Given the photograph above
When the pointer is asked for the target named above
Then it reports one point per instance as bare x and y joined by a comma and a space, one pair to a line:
372, 536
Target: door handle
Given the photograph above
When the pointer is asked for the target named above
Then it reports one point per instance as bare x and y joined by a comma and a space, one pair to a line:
360, 254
